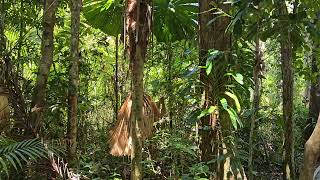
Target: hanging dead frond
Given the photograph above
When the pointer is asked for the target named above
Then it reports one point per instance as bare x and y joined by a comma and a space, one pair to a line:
4, 106
120, 142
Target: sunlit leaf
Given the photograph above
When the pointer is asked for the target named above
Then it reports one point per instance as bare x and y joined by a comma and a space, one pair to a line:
236, 100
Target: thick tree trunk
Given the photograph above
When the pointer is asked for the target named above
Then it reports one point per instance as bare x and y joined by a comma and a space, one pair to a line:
256, 100
138, 27
314, 103
311, 154
39, 94
73, 79
213, 36
208, 131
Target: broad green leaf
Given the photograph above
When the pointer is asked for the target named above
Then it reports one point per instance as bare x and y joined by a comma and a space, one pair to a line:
236, 100
233, 117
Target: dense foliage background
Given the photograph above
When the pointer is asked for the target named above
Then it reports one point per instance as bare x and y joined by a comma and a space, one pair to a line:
171, 74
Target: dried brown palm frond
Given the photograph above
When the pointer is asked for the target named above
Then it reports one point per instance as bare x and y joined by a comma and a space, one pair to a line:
4, 106
120, 142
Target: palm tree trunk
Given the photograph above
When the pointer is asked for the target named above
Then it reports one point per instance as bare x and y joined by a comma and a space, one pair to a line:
47, 47
138, 26
73, 79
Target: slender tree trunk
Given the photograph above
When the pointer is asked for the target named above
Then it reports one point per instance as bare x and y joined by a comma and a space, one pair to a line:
2, 24
287, 97
256, 100
169, 83
311, 154
2, 44
138, 26
73, 79
116, 79
4, 103
47, 47
214, 36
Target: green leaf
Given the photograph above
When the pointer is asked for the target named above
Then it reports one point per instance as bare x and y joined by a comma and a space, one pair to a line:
208, 111
213, 54
3, 163
233, 117
16, 158
239, 78
108, 4
236, 100
224, 103
209, 67
11, 161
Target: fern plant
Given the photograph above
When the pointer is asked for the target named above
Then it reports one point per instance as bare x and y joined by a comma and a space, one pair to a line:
26, 150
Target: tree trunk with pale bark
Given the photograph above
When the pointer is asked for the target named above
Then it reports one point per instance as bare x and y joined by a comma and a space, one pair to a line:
47, 47
311, 154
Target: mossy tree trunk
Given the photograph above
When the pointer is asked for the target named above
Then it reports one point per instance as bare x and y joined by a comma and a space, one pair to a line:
75, 6
286, 53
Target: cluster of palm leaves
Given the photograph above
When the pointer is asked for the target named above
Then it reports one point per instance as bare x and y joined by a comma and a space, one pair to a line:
18, 153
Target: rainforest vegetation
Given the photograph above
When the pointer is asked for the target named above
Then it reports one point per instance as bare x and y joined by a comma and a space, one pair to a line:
159, 89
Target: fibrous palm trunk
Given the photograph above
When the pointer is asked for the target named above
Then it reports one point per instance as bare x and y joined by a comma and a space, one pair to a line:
138, 26
73, 79
47, 47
